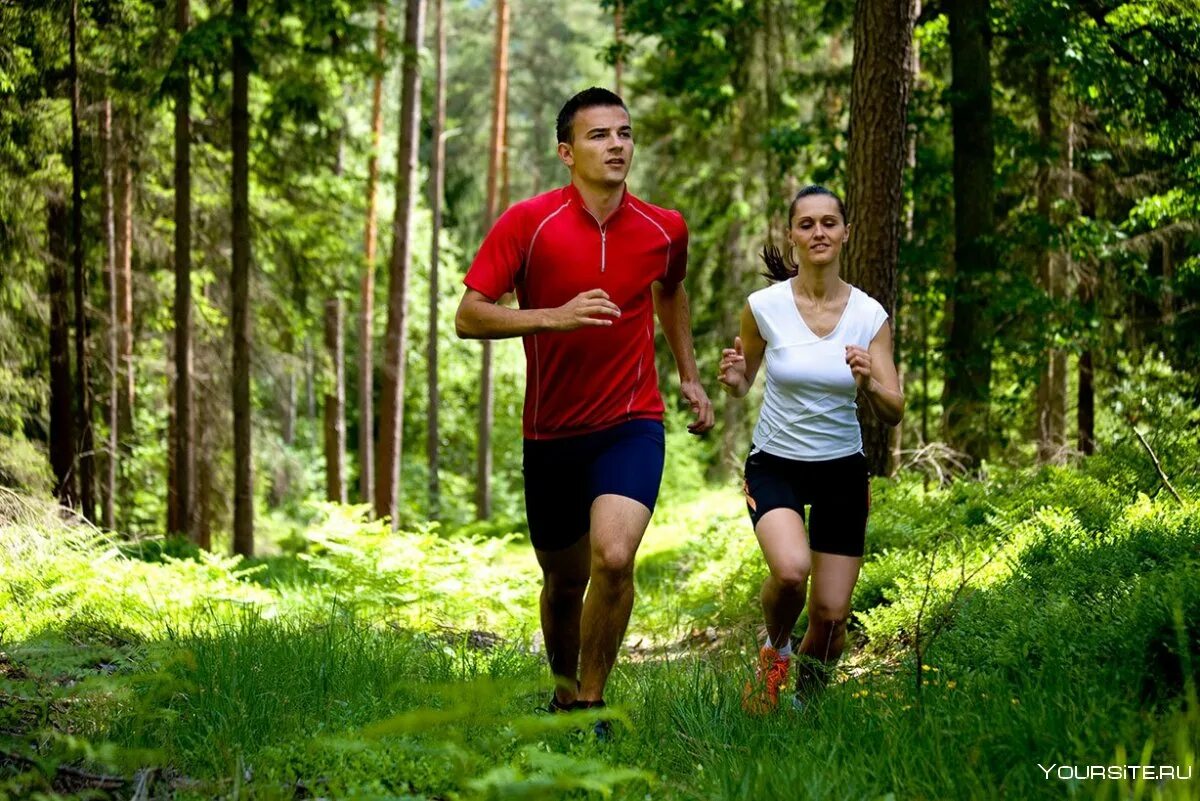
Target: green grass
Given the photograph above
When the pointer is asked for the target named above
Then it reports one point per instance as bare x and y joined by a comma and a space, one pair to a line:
1058, 614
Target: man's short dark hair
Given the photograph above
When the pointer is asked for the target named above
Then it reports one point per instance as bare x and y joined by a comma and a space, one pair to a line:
588, 98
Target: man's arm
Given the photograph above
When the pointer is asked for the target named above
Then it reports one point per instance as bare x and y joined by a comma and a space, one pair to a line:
671, 305
480, 317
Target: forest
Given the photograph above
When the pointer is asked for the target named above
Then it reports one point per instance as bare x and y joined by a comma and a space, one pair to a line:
262, 516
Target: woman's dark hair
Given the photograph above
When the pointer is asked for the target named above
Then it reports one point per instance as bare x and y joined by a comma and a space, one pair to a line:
780, 264
588, 98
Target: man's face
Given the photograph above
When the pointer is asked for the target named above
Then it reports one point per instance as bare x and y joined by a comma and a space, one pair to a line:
601, 148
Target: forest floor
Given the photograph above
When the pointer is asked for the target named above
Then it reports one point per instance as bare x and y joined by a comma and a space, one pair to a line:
1003, 631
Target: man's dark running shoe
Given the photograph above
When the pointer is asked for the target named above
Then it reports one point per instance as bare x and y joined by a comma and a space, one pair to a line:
603, 731
556, 706
602, 728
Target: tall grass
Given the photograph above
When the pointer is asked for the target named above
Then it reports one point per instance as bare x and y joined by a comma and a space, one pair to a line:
1056, 612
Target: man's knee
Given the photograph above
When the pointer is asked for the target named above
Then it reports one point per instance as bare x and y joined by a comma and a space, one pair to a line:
613, 561
564, 588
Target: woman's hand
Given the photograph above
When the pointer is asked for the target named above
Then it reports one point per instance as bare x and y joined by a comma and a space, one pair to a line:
732, 372
860, 365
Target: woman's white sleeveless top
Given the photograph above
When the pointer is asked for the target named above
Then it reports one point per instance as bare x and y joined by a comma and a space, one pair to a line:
808, 412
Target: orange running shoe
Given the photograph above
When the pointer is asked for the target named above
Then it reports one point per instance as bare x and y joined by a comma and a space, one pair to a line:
761, 694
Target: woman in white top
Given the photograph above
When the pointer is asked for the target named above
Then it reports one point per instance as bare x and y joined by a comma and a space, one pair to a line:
825, 343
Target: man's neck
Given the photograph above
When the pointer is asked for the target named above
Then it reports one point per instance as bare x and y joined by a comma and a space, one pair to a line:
601, 201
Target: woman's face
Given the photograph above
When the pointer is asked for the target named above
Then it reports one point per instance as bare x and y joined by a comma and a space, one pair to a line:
818, 230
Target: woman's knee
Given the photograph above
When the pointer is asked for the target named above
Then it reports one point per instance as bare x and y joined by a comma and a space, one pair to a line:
792, 576
828, 614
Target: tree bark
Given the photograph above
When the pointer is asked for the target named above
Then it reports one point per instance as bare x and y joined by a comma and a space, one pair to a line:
1086, 409
880, 84
183, 442
62, 423
335, 405
619, 41
483, 462
366, 333
83, 395
334, 402
110, 272
243, 489
436, 190
1052, 381
125, 291
391, 424
903, 300
967, 392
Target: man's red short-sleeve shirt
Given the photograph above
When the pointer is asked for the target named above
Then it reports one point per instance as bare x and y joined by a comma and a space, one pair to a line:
550, 248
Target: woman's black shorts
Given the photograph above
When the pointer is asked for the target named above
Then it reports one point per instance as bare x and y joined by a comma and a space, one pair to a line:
564, 476
837, 490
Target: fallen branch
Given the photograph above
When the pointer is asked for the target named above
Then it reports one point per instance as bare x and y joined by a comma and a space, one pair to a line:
98, 781
145, 780
1157, 465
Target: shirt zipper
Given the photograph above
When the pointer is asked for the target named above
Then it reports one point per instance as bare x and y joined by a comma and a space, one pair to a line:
603, 235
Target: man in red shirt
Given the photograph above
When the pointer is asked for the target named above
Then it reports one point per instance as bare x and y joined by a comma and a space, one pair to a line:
591, 264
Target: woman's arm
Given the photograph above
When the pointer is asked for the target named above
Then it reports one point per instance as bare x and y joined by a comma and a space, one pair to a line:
875, 373
739, 364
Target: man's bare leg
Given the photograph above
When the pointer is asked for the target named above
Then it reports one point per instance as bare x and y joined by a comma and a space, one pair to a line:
618, 524
564, 579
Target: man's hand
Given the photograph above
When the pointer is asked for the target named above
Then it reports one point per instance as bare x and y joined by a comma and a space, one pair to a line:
860, 365
696, 397
581, 311
732, 372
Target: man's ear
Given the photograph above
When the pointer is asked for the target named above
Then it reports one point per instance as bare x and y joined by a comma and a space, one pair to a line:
565, 155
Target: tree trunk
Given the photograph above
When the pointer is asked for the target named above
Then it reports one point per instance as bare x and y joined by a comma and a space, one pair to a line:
172, 479
288, 431
110, 272
391, 423
335, 405
1086, 410
732, 296
62, 423
619, 42
310, 374
483, 462
1168, 284
775, 204
243, 488
366, 333
1052, 382
967, 394
880, 85
83, 395
334, 402
436, 190
733, 411
903, 300
125, 290
183, 442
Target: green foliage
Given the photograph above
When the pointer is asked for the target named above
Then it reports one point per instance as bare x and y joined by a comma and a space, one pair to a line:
1057, 619
23, 467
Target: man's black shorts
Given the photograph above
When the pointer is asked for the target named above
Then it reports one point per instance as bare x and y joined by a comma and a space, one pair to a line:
838, 490
563, 477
